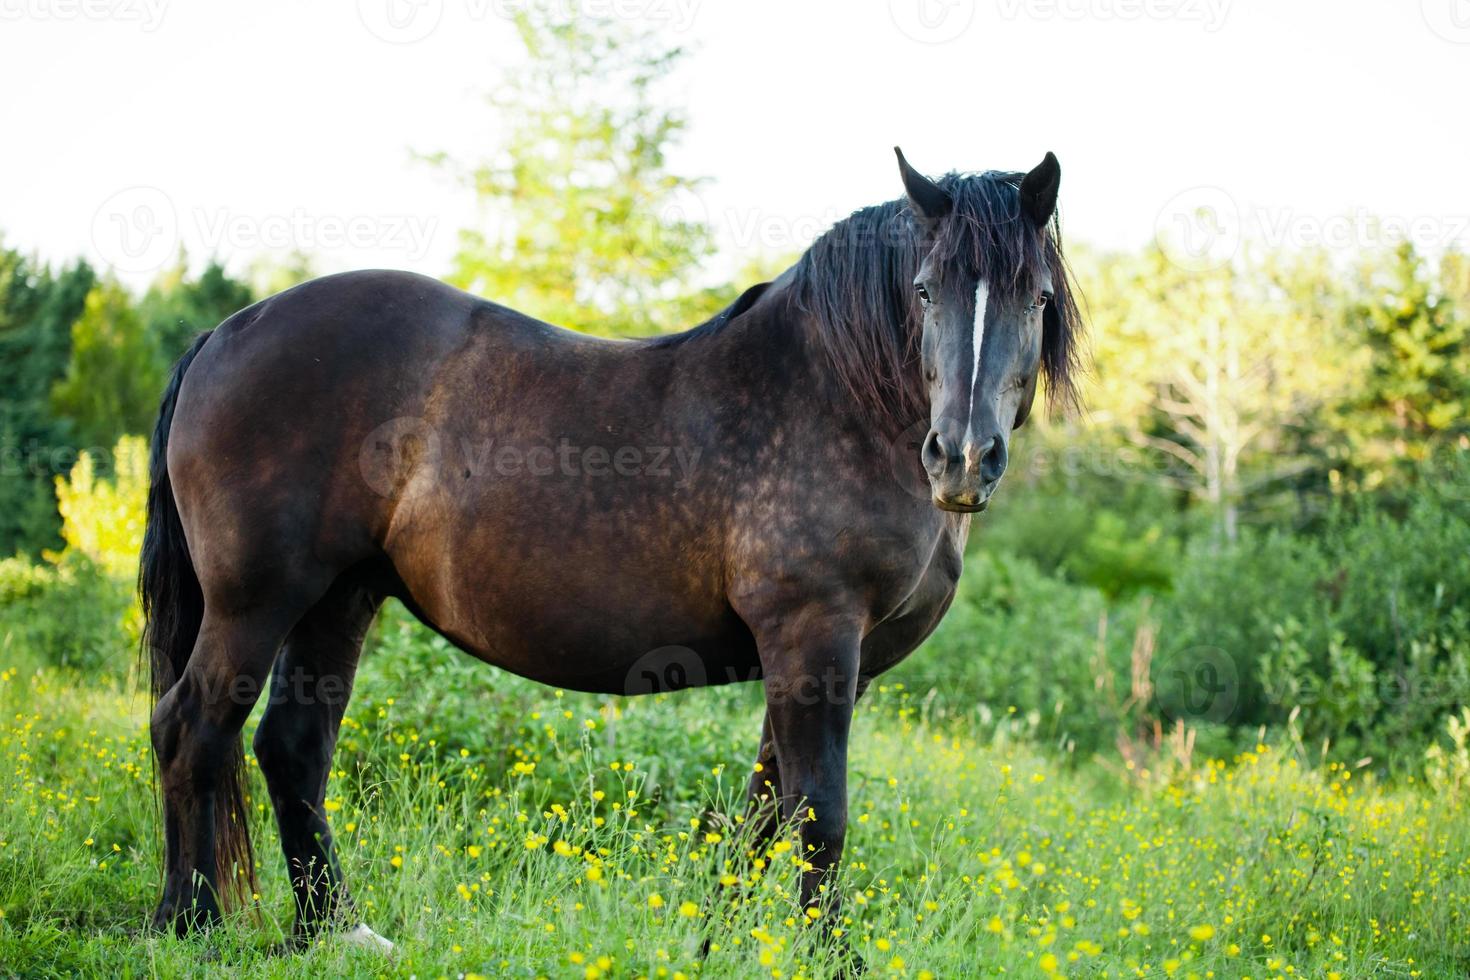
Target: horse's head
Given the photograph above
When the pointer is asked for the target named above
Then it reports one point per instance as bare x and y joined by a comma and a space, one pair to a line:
988, 283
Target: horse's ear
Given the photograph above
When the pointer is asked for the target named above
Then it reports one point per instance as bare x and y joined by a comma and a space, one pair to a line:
928, 199
1039, 190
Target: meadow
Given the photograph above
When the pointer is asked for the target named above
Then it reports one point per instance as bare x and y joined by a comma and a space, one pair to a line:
1199, 708
492, 827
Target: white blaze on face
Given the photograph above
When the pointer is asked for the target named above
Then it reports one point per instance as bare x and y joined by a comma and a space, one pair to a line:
982, 304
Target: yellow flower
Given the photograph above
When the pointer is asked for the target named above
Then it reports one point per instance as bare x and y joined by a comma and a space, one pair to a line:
396, 860
655, 901
1048, 962
995, 925
688, 910
474, 850
1201, 933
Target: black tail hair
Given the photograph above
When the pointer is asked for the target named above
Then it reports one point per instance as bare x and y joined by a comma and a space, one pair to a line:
173, 608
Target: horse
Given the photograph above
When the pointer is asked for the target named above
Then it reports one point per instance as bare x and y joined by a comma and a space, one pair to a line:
781, 494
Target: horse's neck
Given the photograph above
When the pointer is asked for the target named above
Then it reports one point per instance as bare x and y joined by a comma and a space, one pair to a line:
773, 353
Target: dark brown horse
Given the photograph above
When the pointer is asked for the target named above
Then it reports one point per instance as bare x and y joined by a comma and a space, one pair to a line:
780, 494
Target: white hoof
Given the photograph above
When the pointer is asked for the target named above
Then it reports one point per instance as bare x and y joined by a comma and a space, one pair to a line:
364, 938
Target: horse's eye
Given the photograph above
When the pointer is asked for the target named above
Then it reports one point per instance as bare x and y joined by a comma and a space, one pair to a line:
1042, 299
923, 291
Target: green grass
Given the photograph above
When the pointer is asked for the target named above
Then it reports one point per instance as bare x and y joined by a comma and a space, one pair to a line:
493, 827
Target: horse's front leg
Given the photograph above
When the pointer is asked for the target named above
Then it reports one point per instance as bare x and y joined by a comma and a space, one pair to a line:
763, 793
810, 663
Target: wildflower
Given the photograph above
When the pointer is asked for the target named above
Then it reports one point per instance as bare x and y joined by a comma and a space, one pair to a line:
688, 910
655, 901
1201, 933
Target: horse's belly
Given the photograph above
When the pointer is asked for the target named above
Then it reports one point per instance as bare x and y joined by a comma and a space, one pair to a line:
588, 650
588, 622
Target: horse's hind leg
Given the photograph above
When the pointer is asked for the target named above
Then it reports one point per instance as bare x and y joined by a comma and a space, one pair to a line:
294, 744
195, 731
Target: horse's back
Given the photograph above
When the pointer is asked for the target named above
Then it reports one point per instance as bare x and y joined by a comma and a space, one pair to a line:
276, 410
386, 416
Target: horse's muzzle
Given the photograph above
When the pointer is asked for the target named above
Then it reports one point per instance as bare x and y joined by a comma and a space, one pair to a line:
963, 479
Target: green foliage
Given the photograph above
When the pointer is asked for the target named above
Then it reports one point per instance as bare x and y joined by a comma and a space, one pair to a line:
962, 849
67, 613
37, 308
103, 519
586, 226
82, 363
77, 609
1212, 373
1083, 508
176, 308
1447, 767
114, 375
1414, 322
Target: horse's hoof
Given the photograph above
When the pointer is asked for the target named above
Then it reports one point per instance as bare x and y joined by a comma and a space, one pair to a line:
364, 938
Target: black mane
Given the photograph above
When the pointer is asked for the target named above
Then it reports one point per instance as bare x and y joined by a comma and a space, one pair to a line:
856, 283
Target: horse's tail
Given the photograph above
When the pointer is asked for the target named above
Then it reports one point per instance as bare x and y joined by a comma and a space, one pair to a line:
173, 608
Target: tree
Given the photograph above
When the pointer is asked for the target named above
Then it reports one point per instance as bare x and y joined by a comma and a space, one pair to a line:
584, 224
176, 308
1213, 371
37, 307
114, 375
1414, 397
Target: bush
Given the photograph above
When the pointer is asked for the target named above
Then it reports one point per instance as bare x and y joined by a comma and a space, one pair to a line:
77, 609
67, 614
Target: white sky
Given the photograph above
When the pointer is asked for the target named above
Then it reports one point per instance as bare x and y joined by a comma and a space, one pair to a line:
239, 128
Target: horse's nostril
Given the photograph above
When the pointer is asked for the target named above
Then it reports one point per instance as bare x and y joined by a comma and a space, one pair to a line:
931, 455
937, 452
993, 460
